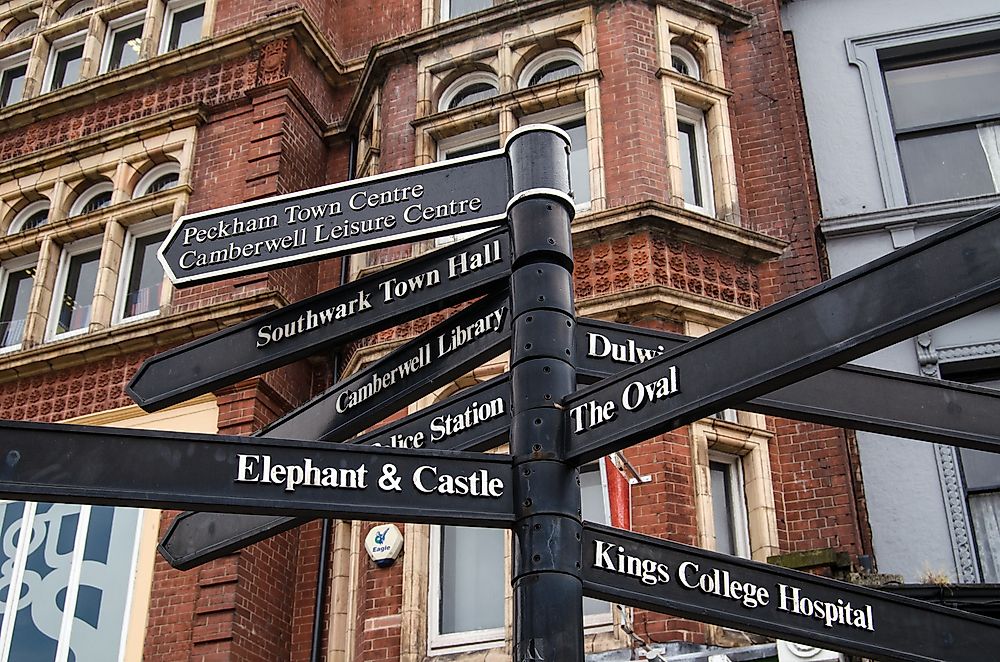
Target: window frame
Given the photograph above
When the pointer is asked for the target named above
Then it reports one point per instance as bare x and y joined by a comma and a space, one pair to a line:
77, 39
868, 53
137, 231
559, 116
17, 224
737, 512
89, 193
8, 267
135, 19
148, 179
20, 30
170, 10
454, 642
462, 82
696, 118
444, 10
74, 10
689, 60
547, 58
69, 251
10, 63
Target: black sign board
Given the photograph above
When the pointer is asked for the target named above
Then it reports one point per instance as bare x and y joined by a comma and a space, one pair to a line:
142, 468
849, 396
474, 335
930, 282
393, 208
402, 293
477, 419
724, 590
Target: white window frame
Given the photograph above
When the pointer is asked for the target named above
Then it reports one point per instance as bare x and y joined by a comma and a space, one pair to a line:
603, 622
114, 27
73, 584
68, 252
867, 53
688, 58
58, 46
546, 58
455, 642
77, 9
11, 63
696, 117
445, 10
142, 188
22, 216
562, 115
463, 82
737, 501
6, 268
89, 194
128, 255
168, 19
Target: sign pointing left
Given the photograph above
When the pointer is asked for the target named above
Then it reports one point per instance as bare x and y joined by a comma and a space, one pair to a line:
388, 209
152, 469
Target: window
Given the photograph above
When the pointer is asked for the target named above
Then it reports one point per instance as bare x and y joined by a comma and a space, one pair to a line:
16, 280
468, 585
159, 178
182, 25
73, 299
728, 505
469, 89
34, 215
595, 508
694, 162
23, 29
945, 111
684, 63
579, 157
141, 276
553, 65
122, 46
96, 197
78, 9
455, 8
12, 76
65, 63
67, 571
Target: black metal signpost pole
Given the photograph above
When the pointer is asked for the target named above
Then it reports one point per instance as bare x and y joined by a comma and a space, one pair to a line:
548, 590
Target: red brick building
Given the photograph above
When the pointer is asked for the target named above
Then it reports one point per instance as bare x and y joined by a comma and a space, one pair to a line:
696, 206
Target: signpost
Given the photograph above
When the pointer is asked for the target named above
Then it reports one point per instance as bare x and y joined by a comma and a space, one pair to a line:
725, 590
365, 306
551, 426
427, 201
935, 280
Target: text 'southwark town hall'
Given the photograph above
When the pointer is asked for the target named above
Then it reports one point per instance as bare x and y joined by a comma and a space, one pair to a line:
454, 330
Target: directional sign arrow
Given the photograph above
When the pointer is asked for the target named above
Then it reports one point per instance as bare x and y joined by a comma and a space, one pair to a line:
476, 419
849, 396
393, 208
431, 360
724, 590
144, 468
405, 292
926, 284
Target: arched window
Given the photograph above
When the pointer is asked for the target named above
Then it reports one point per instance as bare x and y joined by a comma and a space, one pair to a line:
684, 63
29, 218
78, 8
552, 65
468, 90
96, 197
159, 178
23, 28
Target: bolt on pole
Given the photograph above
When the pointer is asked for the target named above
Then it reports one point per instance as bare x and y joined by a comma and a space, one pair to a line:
548, 590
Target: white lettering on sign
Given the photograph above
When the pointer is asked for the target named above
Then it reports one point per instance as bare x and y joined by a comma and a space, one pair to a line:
416, 213
260, 469
448, 425
727, 585
478, 484
634, 396
599, 346
389, 291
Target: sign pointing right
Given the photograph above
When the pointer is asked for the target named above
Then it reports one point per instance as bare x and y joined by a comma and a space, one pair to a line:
928, 283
